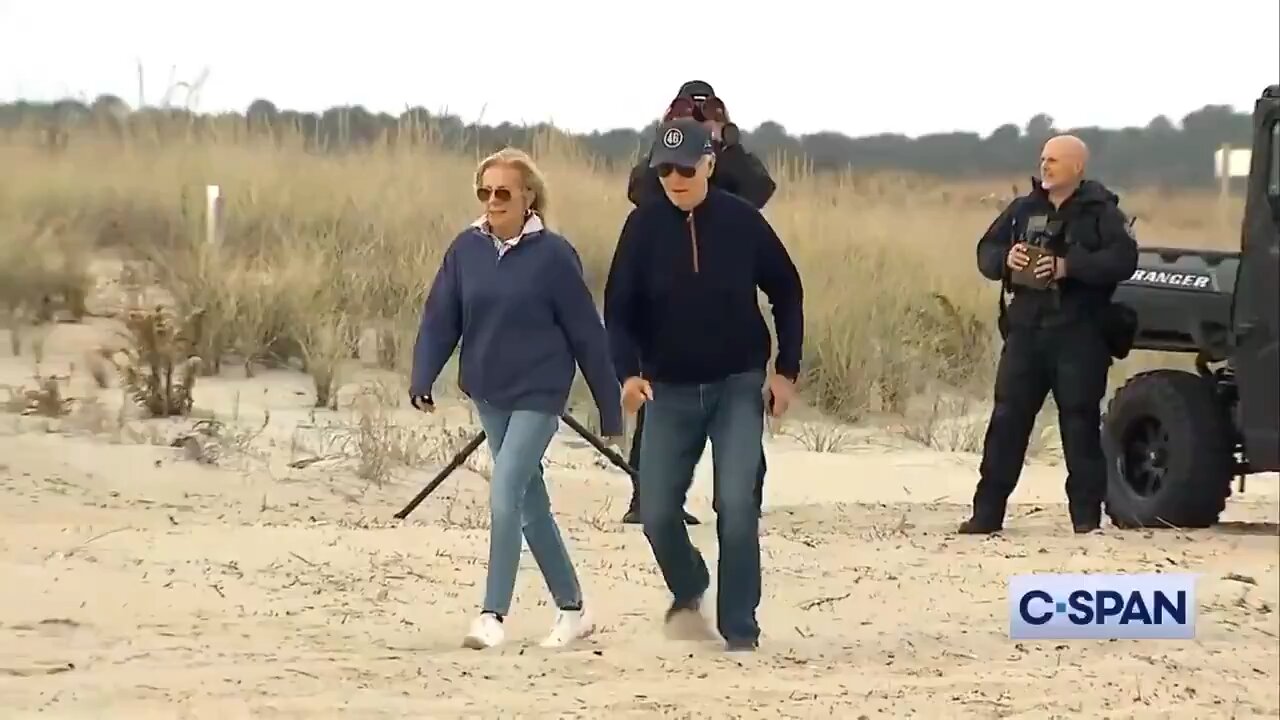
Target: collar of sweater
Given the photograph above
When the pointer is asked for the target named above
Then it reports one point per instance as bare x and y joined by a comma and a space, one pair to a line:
532, 224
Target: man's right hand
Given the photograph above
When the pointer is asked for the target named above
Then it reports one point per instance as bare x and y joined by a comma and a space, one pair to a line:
635, 392
1017, 258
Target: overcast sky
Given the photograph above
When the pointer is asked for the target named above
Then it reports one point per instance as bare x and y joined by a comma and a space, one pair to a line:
910, 66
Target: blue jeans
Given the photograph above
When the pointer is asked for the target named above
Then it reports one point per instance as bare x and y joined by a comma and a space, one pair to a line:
679, 421
518, 501
634, 460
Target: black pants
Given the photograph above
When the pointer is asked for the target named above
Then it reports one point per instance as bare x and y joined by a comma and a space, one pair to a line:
1071, 361
633, 459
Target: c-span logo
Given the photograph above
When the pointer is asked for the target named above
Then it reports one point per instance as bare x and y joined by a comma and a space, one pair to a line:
1103, 607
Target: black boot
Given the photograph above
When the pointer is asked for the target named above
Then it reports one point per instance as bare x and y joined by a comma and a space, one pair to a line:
976, 526
1085, 521
632, 516
982, 522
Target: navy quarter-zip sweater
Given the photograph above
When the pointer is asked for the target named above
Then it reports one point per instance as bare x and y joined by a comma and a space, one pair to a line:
681, 302
524, 319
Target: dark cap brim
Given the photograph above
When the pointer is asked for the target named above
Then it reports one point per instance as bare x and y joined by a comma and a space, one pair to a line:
682, 157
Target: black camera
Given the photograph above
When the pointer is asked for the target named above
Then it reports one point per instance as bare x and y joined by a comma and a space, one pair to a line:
1041, 231
1038, 236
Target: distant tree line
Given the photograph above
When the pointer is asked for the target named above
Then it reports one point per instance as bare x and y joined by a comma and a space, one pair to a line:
1161, 154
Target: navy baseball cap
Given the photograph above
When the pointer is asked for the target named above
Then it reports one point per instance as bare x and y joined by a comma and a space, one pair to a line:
681, 142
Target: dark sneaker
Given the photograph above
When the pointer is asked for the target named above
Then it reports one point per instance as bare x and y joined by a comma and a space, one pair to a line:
1084, 527
683, 605
741, 645
691, 520
684, 621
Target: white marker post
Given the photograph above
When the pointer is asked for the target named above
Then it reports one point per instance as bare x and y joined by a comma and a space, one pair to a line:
213, 231
1229, 163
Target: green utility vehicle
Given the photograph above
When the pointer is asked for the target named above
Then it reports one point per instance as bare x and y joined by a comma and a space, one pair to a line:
1175, 439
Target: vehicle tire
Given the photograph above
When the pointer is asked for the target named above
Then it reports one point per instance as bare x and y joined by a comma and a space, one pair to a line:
1169, 452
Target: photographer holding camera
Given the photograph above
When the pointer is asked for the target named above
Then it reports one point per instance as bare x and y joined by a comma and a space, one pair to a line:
1061, 250
736, 171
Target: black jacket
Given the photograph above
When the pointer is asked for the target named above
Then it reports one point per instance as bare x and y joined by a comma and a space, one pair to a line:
1095, 240
737, 171
680, 303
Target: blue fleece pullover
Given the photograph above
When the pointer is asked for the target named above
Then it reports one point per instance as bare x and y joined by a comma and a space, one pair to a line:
525, 317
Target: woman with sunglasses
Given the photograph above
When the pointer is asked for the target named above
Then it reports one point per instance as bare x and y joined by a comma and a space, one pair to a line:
513, 293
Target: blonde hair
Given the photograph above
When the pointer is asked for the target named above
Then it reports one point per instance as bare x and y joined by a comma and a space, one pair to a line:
529, 172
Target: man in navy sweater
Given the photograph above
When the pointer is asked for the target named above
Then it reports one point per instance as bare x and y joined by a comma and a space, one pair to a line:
691, 346
736, 171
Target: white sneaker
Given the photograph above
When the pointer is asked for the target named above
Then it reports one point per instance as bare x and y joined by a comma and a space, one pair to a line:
570, 625
486, 632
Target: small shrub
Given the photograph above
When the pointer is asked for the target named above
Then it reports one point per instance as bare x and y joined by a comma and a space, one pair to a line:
158, 369
46, 271
46, 399
822, 437
949, 424
326, 343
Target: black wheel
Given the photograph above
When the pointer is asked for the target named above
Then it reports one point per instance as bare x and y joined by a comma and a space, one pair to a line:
1169, 452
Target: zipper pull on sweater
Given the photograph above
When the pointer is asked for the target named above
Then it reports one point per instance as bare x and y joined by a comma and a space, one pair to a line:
693, 239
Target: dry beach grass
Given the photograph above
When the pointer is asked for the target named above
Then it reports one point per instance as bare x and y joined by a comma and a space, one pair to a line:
239, 559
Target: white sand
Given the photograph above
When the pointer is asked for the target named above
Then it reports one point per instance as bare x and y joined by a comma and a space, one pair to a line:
137, 583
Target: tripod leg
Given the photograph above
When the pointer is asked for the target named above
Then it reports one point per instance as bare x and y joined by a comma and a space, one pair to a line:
454, 464
613, 456
632, 515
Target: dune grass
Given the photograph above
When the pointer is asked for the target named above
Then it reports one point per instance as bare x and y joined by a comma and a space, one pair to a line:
320, 249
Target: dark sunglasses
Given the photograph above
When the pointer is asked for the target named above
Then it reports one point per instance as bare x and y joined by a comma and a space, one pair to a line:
710, 108
665, 169
502, 194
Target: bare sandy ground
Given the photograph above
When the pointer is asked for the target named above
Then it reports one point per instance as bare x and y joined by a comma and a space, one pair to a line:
137, 582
